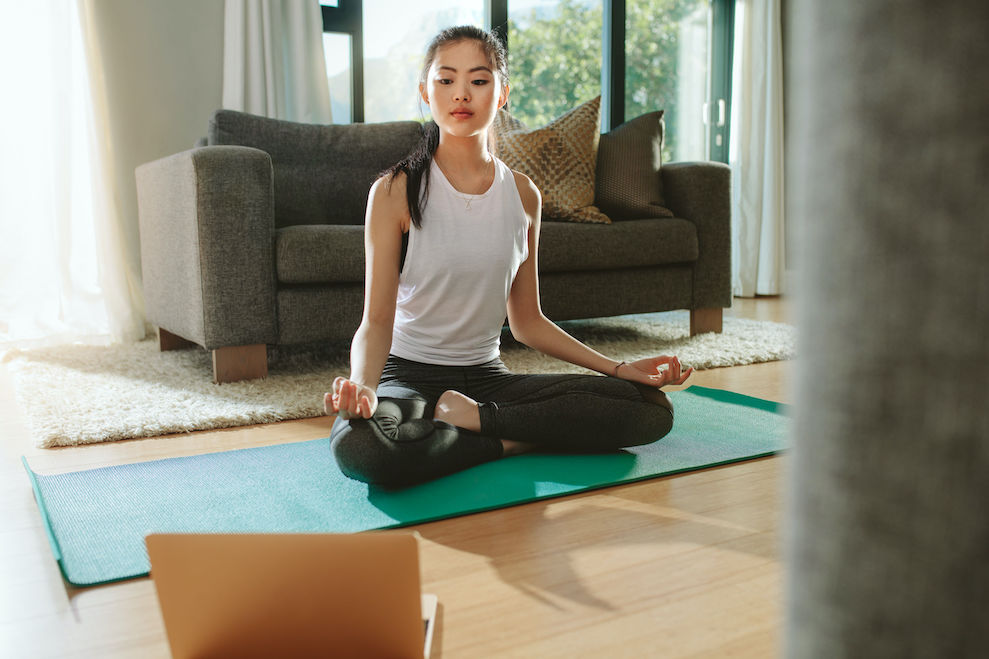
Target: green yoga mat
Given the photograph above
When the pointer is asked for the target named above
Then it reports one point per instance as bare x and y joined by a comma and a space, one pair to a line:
97, 519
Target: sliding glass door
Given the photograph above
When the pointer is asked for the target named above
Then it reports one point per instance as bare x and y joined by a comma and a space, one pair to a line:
675, 60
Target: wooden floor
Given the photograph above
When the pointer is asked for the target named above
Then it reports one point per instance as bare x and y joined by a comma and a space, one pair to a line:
674, 567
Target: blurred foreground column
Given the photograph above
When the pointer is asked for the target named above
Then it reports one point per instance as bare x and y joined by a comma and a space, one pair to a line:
887, 544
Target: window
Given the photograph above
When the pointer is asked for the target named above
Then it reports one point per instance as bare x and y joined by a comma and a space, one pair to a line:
554, 56
337, 50
396, 34
667, 56
640, 55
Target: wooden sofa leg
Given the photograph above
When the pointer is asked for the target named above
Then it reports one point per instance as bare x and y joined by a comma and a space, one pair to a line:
705, 320
169, 341
233, 363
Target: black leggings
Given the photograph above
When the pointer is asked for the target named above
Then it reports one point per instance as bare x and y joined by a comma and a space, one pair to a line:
401, 444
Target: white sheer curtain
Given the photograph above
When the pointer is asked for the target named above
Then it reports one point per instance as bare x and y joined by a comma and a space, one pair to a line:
63, 270
273, 61
756, 150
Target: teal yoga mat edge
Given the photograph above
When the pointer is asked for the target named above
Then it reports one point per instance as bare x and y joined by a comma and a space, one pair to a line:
49, 531
725, 396
720, 395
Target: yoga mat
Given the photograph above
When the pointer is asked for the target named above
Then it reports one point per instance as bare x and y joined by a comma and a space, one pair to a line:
97, 519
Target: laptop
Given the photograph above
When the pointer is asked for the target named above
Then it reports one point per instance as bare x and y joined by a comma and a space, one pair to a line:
292, 595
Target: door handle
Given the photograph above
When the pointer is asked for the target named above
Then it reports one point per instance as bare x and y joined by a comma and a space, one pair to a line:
722, 113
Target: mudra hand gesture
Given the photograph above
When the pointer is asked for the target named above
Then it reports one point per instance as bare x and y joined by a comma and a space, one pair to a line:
650, 371
350, 400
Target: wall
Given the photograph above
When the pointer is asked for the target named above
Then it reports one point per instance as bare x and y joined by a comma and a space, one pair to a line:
163, 72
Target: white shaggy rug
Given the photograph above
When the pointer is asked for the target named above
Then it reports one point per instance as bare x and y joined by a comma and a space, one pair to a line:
79, 394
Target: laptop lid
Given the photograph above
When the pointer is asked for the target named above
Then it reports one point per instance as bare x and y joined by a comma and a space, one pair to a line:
269, 595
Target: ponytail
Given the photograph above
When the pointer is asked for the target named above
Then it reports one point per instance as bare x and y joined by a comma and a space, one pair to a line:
416, 167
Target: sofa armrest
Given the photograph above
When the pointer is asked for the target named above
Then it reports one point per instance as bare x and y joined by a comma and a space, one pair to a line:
207, 245
701, 192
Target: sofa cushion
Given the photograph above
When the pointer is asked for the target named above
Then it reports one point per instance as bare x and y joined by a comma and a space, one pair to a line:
560, 159
629, 184
323, 173
565, 247
316, 254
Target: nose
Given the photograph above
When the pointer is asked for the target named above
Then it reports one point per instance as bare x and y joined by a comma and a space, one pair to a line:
463, 94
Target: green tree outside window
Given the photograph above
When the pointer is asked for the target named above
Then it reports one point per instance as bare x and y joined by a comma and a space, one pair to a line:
555, 59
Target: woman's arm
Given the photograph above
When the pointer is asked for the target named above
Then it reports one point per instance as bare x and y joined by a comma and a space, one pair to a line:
531, 327
386, 219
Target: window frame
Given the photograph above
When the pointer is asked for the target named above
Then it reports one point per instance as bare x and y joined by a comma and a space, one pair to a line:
722, 49
348, 18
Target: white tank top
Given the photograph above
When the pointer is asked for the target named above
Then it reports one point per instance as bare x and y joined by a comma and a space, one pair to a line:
459, 269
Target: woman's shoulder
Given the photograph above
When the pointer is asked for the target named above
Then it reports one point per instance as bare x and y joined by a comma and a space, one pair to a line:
388, 198
531, 198
390, 184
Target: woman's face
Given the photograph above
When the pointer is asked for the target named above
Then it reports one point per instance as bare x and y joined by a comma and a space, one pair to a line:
462, 89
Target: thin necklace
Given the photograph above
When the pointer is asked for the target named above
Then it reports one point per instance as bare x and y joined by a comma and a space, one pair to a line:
467, 200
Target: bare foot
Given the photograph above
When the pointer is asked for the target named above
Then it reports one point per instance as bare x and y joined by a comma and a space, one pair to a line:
458, 410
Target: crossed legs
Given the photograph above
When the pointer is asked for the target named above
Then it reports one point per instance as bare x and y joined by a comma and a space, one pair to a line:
413, 438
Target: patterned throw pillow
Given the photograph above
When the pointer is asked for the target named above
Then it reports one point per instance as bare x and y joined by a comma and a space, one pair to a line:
629, 185
560, 158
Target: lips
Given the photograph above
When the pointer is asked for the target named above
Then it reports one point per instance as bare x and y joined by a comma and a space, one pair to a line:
462, 113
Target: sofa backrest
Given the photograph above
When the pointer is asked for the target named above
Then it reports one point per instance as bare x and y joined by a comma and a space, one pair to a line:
323, 173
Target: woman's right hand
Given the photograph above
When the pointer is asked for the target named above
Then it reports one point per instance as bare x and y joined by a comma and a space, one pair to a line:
350, 399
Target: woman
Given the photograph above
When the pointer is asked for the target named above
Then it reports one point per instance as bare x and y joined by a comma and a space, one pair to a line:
451, 243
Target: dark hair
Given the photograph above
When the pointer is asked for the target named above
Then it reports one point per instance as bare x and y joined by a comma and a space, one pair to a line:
416, 164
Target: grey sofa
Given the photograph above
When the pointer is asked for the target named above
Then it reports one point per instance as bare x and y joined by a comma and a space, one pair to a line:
256, 239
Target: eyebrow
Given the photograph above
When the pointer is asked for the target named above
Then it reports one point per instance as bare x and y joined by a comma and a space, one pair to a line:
476, 68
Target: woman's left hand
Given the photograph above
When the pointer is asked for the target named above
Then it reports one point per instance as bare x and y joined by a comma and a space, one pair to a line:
650, 371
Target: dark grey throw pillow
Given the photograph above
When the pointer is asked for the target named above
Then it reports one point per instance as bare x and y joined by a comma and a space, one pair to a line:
628, 183
323, 173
